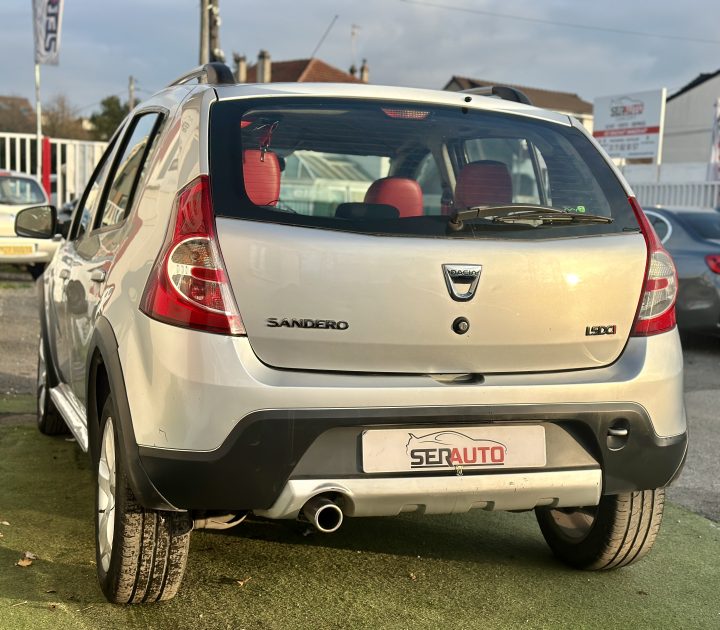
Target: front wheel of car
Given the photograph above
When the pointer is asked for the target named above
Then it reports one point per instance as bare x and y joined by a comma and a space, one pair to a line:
140, 553
615, 533
36, 270
48, 419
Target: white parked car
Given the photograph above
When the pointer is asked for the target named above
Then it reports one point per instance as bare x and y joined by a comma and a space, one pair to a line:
19, 191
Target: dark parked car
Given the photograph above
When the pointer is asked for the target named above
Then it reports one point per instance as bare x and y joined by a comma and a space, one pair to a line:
692, 237
64, 216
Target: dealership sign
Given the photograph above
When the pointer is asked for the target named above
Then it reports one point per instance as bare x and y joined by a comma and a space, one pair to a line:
631, 125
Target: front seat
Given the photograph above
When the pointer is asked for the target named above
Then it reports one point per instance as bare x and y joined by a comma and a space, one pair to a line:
402, 193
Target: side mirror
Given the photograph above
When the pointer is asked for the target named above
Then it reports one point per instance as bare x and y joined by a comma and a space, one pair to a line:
36, 222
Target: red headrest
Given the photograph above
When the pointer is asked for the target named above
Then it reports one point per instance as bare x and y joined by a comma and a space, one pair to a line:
261, 174
483, 183
400, 192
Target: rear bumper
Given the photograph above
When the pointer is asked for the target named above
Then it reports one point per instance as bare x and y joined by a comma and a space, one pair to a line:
42, 250
275, 460
230, 433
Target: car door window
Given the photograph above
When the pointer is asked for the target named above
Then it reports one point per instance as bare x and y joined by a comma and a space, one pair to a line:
661, 225
86, 207
129, 170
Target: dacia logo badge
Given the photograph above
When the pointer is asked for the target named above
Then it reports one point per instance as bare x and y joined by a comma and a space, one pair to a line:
462, 280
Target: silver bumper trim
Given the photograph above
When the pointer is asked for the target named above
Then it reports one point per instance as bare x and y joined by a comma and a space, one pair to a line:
381, 496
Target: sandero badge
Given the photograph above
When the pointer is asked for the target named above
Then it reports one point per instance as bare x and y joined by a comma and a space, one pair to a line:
445, 449
295, 322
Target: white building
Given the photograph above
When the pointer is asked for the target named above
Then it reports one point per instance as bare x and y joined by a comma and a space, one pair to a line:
689, 118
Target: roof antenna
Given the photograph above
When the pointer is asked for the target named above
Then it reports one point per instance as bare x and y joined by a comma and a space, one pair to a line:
325, 34
354, 30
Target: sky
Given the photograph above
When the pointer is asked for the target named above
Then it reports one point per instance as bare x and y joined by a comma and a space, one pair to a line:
412, 43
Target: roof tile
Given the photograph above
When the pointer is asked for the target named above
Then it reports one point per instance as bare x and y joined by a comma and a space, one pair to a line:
311, 70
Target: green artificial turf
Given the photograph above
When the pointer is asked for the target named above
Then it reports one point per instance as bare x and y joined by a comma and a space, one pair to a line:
17, 403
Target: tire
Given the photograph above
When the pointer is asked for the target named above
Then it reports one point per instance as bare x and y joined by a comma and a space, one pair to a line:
140, 553
615, 533
36, 270
49, 420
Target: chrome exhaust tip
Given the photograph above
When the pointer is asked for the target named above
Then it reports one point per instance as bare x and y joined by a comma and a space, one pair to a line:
324, 514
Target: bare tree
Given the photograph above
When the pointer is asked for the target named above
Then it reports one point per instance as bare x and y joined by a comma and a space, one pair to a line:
61, 121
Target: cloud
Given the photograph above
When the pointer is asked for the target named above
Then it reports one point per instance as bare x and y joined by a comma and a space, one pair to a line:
405, 44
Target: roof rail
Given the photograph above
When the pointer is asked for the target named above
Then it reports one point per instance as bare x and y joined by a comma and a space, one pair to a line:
214, 72
505, 92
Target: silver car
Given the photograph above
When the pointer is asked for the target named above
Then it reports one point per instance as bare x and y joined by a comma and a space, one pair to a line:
328, 301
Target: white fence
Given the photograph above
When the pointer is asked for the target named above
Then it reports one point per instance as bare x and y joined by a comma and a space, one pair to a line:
689, 195
71, 161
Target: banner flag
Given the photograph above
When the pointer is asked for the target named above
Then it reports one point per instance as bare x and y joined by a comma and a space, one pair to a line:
47, 19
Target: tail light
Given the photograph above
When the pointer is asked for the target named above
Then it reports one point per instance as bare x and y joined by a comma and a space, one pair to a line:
189, 285
713, 261
656, 312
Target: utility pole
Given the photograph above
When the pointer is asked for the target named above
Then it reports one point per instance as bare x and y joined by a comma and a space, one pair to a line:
131, 93
204, 32
216, 53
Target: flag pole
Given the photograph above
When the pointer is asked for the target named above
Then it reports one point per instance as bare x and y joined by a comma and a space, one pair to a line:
38, 127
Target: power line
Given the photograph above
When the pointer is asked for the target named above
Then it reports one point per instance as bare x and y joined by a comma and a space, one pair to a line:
77, 110
523, 18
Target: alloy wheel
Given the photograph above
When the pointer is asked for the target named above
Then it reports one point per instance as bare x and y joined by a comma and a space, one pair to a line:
106, 495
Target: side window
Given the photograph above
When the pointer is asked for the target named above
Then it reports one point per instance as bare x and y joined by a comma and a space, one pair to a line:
86, 206
661, 226
129, 170
430, 182
514, 153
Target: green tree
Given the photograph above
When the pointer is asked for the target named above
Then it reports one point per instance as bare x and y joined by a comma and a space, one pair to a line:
106, 121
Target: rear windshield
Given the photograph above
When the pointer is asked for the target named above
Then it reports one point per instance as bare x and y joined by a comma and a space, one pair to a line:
705, 225
404, 169
20, 191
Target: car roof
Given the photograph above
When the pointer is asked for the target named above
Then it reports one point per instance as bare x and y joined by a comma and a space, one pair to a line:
6, 173
386, 93
682, 210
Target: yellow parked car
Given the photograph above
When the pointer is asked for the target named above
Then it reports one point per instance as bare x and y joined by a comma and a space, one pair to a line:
18, 191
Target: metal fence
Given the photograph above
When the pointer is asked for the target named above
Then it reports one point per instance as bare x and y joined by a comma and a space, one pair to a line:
71, 161
689, 195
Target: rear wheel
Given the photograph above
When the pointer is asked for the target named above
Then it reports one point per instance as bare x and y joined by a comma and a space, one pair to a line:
140, 553
615, 533
48, 419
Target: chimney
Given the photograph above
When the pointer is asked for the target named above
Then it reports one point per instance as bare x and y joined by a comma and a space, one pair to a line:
365, 72
264, 67
240, 68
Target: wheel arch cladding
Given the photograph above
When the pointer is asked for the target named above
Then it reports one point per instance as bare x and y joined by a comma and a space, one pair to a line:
105, 376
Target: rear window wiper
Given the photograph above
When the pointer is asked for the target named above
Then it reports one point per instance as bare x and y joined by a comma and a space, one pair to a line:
521, 212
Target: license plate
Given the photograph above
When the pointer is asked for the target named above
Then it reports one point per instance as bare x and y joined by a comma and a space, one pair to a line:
453, 448
17, 250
